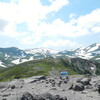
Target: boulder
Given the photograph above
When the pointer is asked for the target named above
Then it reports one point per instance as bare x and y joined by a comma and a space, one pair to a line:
48, 96
13, 87
78, 87
3, 85
35, 79
85, 81
99, 89
27, 96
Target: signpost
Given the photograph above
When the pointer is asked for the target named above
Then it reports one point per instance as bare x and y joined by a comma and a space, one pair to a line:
63, 74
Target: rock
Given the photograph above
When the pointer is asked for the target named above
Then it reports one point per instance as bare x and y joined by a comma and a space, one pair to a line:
78, 87
27, 96
6, 95
53, 89
65, 82
4, 89
3, 85
4, 99
53, 84
48, 96
79, 80
16, 97
16, 83
59, 83
89, 87
58, 97
85, 81
41, 78
99, 89
13, 87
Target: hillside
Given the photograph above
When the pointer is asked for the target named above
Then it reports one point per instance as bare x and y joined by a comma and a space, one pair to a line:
44, 66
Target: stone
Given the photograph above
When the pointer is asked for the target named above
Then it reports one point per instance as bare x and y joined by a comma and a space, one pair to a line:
13, 87
78, 87
16, 83
53, 84
85, 81
3, 85
27, 96
48, 96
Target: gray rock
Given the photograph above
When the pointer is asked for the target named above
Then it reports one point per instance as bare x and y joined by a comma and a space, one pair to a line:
99, 89
27, 96
78, 87
48, 96
35, 79
3, 85
53, 84
16, 83
85, 81
13, 87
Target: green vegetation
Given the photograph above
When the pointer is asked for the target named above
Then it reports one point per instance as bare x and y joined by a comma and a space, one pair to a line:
32, 68
45, 66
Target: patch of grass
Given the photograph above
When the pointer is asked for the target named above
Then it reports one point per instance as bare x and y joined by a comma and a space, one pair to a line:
27, 69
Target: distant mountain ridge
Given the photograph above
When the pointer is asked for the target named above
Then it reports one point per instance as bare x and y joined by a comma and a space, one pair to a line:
12, 55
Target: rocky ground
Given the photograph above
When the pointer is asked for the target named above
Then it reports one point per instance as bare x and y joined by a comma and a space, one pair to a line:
50, 88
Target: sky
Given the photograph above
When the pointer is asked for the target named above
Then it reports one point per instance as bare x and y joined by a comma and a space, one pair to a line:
55, 24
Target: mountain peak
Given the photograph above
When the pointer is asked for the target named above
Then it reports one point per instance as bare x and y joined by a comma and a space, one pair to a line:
94, 44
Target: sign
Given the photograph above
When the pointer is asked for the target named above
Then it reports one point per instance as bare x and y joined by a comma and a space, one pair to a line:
63, 74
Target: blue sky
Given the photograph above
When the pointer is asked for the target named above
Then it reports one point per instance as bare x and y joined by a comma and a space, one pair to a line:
55, 24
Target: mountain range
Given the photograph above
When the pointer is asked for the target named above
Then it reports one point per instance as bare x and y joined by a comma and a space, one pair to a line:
12, 55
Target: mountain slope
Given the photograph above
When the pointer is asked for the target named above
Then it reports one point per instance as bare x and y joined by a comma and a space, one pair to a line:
83, 52
44, 66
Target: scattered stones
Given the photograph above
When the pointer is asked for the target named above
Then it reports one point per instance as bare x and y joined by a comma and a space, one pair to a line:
6, 95
16, 83
76, 88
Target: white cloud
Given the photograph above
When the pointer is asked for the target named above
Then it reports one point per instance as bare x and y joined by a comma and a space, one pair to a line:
76, 27
60, 44
32, 12
72, 15
29, 11
3, 24
96, 29
30, 40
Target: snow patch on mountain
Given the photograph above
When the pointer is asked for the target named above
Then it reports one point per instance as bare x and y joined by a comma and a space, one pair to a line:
24, 60
97, 59
1, 64
17, 61
94, 48
88, 52
41, 50
31, 58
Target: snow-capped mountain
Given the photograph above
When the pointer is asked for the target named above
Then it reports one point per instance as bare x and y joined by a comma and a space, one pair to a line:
83, 52
88, 52
11, 56
41, 50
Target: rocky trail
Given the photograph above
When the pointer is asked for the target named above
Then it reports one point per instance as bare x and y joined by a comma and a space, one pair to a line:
77, 87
